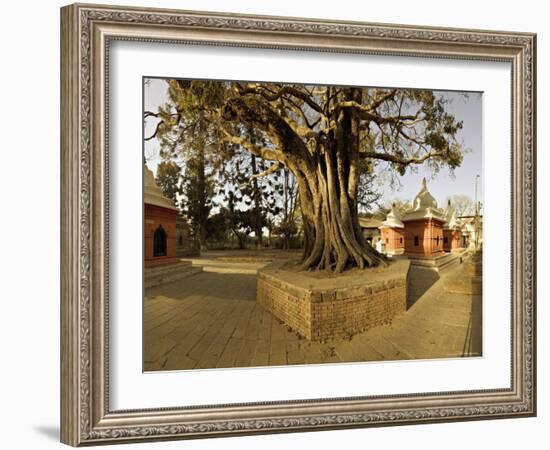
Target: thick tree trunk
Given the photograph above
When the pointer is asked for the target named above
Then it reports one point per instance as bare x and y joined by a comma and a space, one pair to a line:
328, 190
332, 236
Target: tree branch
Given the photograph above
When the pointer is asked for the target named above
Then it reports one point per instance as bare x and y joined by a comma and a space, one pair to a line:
147, 114
289, 142
296, 108
366, 114
262, 152
273, 168
158, 114
402, 161
161, 122
377, 102
291, 90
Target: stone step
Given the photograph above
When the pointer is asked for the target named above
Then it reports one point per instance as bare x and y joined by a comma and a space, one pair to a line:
151, 271
439, 263
171, 274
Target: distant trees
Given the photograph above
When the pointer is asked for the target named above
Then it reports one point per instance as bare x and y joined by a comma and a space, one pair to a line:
401, 206
462, 204
368, 196
288, 225
247, 200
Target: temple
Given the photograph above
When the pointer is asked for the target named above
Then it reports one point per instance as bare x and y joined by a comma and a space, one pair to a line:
426, 235
164, 237
423, 225
452, 233
160, 216
393, 234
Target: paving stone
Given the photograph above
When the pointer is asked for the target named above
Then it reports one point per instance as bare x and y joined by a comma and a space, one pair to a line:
212, 320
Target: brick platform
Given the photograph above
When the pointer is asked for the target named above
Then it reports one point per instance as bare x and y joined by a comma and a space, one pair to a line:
340, 306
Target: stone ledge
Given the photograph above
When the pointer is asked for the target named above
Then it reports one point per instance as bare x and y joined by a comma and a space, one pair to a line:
337, 305
437, 263
155, 276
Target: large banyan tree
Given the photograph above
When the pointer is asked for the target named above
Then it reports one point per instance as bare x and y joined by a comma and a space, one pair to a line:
328, 137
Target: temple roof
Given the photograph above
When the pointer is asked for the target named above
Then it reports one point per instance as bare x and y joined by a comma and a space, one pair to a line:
424, 199
371, 222
393, 219
152, 194
424, 206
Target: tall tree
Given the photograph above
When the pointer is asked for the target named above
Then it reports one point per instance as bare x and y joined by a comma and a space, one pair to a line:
169, 179
194, 142
198, 190
320, 134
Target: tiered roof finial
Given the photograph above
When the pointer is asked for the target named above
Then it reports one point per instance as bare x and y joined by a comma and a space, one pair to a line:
424, 205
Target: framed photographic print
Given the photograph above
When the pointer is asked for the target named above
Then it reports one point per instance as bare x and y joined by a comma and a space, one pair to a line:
276, 224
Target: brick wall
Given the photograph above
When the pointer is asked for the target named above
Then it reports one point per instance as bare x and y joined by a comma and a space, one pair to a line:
451, 240
393, 239
429, 234
319, 315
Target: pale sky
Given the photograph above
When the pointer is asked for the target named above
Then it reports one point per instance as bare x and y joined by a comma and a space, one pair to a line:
442, 185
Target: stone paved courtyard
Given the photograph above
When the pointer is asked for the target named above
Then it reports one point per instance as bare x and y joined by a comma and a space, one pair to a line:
212, 320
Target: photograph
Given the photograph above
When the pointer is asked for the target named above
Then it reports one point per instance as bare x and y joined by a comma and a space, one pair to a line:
298, 224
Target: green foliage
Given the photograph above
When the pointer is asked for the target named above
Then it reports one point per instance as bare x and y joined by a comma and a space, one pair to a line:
169, 179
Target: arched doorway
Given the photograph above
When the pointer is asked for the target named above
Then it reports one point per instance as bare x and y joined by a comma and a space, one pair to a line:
159, 242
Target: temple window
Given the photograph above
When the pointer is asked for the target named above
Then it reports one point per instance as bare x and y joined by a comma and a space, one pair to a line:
416, 241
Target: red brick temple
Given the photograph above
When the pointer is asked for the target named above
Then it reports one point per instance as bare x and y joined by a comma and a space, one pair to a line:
159, 228
393, 234
424, 226
452, 233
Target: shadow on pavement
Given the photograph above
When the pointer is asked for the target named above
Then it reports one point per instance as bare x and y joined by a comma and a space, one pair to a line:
223, 286
473, 342
419, 282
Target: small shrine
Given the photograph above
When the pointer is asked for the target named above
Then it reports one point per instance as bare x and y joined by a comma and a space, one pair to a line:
452, 233
159, 228
423, 225
392, 232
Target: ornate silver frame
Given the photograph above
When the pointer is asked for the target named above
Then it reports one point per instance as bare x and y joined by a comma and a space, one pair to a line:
86, 31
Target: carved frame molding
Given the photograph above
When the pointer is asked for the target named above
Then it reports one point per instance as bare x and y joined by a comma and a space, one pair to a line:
86, 31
